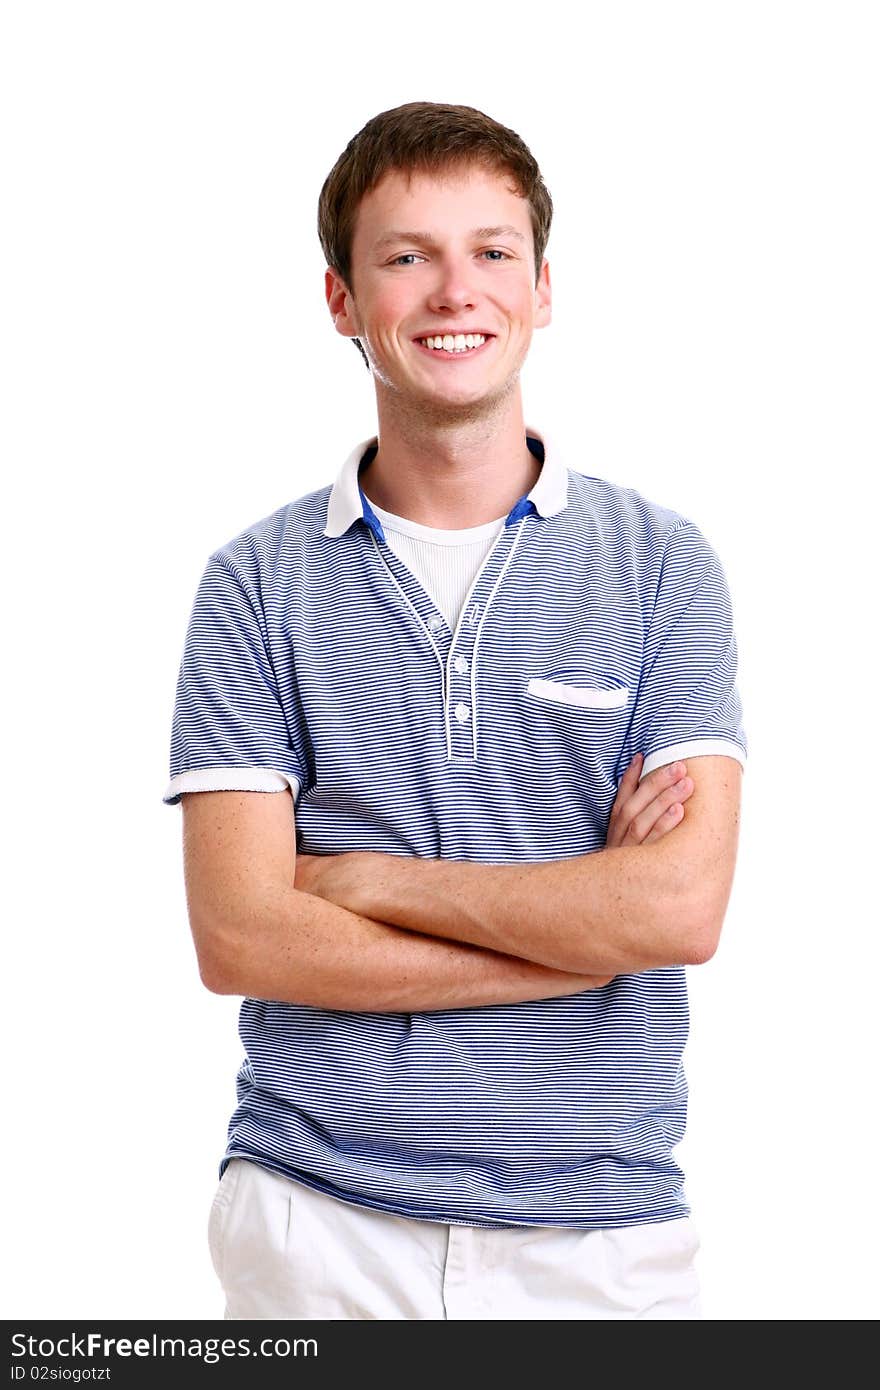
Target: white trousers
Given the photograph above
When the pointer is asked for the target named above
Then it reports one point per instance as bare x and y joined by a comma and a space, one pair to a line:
283, 1250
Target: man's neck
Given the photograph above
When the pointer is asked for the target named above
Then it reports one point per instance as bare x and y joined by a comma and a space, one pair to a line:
451, 476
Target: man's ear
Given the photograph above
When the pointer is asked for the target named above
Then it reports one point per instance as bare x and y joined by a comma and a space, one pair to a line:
543, 296
340, 302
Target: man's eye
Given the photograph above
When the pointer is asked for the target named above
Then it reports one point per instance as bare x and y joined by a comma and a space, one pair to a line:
411, 255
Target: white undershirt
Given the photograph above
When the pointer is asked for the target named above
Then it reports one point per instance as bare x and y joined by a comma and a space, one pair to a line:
444, 562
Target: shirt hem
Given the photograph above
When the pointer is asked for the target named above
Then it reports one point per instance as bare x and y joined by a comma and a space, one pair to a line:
652, 1218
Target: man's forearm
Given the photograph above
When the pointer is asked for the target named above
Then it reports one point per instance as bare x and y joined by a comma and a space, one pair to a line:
611, 912
303, 950
615, 911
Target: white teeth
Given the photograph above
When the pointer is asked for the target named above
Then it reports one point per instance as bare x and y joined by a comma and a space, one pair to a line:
459, 342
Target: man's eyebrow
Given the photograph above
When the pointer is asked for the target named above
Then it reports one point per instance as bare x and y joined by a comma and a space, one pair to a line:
425, 238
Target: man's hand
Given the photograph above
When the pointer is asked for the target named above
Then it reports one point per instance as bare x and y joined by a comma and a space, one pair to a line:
338, 877
642, 814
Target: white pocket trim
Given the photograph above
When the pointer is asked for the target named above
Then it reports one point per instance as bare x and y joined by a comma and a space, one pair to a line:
574, 695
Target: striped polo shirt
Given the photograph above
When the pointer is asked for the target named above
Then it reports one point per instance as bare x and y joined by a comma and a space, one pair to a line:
598, 626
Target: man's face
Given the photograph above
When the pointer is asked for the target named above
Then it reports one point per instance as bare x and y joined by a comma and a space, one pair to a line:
475, 274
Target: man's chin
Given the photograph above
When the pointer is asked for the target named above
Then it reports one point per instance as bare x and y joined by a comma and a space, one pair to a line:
473, 403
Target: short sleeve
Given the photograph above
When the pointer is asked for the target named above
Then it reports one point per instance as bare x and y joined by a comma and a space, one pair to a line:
687, 701
230, 729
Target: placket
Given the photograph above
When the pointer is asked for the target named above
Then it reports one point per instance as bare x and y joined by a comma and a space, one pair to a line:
457, 653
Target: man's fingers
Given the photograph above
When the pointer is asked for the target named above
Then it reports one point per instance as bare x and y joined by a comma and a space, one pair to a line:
628, 784
643, 811
643, 794
669, 818
656, 815
633, 771
624, 791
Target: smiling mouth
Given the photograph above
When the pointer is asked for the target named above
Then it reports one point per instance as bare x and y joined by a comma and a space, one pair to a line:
443, 356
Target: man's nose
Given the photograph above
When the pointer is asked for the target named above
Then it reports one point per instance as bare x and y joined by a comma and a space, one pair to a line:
454, 285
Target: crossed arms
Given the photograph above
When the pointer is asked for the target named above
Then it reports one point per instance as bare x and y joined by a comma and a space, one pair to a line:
380, 932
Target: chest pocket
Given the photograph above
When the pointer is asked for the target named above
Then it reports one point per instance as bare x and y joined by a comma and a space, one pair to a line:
579, 719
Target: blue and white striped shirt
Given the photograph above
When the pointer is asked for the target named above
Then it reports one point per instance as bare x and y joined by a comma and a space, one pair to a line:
599, 625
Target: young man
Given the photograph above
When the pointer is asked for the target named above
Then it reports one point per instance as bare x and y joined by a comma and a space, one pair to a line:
470, 675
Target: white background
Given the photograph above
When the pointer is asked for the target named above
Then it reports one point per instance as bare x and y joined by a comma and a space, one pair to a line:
171, 374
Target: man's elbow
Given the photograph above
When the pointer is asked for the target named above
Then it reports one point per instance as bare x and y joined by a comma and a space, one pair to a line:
216, 965
215, 979
702, 946
704, 931
232, 949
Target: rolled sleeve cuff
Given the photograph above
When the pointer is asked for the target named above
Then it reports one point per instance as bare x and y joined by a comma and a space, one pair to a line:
236, 779
693, 748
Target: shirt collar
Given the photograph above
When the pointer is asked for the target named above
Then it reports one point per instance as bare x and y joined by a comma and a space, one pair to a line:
348, 504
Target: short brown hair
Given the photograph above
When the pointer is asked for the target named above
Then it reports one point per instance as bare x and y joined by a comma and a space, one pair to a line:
424, 137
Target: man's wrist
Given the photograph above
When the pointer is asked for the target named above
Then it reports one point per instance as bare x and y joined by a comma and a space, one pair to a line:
370, 882
385, 888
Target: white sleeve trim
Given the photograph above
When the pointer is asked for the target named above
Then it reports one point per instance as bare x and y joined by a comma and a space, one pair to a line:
693, 748
234, 779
